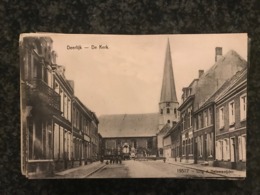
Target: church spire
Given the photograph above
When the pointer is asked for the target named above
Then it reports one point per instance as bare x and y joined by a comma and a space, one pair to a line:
168, 93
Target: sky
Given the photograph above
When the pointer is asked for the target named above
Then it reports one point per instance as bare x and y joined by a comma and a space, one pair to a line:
126, 78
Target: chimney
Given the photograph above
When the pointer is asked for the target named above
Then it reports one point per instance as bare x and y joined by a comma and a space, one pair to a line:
218, 53
201, 72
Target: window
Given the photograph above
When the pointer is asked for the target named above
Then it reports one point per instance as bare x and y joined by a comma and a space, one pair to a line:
201, 145
188, 146
205, 118
168, 110
61, 102
221, 117
183, 121
242, 147
65, 106
189, 118
218, 150
61, 142
209, 144
161, 111
226, 154
183, 148
199, 121
195, 123
56, 87
191, 146
210, 120
231, 113
56, 141
69, 109
219, 154
243, 106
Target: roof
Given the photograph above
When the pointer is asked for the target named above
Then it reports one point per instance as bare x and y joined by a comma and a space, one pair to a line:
165, 129
238, 79
168, 92
128, 125
216, 76
226, 86
173, 129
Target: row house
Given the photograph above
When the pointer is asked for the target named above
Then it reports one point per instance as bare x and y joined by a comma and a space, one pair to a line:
210, 85
172, 143
202, 139
231, 107
85, 130
62, 123
51, 138
186, 112
39, 102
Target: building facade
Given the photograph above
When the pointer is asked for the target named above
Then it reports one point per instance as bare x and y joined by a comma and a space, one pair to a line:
129, 133
201, 140
172, 143
39, 102
231, 112
52, 125
186, 113
204, 133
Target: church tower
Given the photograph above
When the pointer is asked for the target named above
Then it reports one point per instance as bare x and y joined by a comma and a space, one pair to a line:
168, 103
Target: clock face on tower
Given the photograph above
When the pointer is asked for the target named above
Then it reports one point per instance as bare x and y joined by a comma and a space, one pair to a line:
167, 104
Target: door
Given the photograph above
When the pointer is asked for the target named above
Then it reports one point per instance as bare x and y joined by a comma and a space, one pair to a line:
233, 153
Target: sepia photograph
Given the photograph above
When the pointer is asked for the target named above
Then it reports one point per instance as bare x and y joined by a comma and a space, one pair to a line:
133, 106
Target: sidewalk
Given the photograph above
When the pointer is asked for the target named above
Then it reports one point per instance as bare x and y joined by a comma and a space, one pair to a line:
224, 172
81, 171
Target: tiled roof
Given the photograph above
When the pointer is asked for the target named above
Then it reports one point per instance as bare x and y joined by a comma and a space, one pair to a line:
173, 129
128, 125
235, 81
165, 129
216, 76
223, 88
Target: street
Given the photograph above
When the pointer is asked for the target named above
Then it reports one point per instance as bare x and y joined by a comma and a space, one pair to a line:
148, 169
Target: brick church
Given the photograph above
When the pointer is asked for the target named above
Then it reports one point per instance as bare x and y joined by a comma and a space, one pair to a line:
142, 134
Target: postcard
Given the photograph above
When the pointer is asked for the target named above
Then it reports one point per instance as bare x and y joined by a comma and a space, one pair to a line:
133, 106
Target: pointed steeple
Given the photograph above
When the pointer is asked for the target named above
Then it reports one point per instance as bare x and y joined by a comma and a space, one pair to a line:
168, 93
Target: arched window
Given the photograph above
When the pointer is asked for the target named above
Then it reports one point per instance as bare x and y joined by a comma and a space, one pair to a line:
168, 121
168, 110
